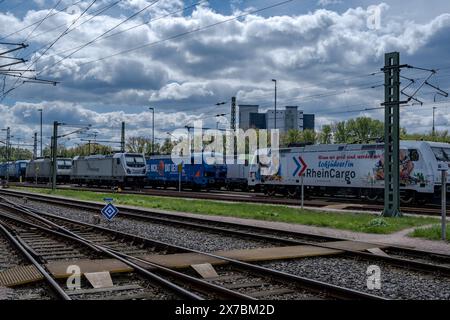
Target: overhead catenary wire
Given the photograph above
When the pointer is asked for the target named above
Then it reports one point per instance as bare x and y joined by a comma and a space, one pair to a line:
36, 22
101, 35
135, 26
95, 14
183, 34
48, 48
42, 21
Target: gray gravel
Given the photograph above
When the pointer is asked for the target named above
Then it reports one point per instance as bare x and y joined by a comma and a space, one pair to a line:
9, 257
396, 283
190, 238
37, 291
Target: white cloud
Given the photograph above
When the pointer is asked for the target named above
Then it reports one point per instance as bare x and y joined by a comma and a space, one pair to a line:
306, 53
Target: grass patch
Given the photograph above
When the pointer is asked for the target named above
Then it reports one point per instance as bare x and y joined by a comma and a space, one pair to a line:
430, 233
345, 221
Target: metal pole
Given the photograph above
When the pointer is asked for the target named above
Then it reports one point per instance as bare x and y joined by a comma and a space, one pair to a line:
42, 151
303, 191
392, 135
35, 154
233, 113
444, 204
275, 119
433, 131
180, 169
122, 139
54, 154
153, 131
8, 150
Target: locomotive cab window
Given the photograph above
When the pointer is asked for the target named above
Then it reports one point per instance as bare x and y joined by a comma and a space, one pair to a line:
441, 154
135, 161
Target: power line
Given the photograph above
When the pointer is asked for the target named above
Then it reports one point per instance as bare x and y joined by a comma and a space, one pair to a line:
42, 20
36, 22
180, 35
136, 26
100, 36
97, 13
48, 48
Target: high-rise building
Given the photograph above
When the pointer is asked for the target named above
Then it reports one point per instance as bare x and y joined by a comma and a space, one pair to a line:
309, 121
244, 115
288, 119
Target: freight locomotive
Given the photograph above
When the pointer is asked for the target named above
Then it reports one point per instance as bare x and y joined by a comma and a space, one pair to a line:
14, 170
350, 169
120, 169
164, 172
40, 170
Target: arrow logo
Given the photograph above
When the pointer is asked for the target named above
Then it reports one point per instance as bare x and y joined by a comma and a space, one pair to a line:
301, 166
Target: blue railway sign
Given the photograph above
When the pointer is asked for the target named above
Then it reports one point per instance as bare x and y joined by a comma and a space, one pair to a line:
109, 211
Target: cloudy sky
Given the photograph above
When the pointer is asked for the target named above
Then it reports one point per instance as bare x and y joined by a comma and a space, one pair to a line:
115, 58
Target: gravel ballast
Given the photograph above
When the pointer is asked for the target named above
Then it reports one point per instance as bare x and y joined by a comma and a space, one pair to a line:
194, 239
396, 283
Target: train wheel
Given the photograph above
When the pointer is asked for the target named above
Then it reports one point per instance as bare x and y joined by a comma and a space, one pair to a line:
407, 197
292, 192
271, 192
372, 196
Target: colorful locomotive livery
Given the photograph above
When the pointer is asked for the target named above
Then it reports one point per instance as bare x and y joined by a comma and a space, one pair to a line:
339, 169
164, 172
353, 169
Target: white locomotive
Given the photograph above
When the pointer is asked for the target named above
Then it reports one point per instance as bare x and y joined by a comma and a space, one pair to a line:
119, 169
351, 169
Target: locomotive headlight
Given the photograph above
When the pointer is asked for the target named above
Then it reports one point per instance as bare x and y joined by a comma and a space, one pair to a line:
128, 171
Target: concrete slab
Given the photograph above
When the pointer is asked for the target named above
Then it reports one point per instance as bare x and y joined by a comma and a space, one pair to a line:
353, 245
205, 270
59, 268
99, 280
185, 260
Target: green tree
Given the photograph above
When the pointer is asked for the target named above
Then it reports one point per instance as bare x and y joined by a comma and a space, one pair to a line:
297, 136
341, 134
140, 145
325, 135
438, 136
166, 147
359, 130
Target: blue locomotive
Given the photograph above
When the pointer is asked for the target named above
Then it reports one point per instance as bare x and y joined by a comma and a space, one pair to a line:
163, 172
14, 169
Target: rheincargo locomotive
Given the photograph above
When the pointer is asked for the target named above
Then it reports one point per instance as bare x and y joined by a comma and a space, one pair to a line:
351, 169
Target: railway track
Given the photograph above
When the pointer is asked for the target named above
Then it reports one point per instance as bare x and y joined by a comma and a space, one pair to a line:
347, 203
401, 256
237, 280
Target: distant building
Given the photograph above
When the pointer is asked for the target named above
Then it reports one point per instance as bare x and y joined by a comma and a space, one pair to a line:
290, 118
309, 121
244, 115
258, 121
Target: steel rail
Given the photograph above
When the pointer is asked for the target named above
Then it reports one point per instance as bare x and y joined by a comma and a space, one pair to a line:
123, 258
19, 244
203, 224
330, 289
